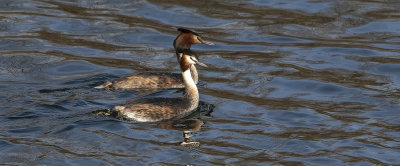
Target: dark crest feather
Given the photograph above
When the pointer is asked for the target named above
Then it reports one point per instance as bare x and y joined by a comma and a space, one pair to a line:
183, 30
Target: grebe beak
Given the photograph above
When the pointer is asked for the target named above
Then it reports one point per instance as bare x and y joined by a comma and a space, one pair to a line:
204, 42
201, 64
198, 62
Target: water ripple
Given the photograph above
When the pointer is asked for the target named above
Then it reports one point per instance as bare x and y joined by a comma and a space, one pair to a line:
299, 83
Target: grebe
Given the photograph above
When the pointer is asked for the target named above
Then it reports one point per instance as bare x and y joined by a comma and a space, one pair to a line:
159, 109
159, 80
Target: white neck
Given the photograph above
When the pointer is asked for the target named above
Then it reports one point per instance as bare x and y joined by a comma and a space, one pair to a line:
191, 92
195, 75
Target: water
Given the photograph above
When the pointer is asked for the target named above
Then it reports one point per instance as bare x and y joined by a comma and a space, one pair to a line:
288, 83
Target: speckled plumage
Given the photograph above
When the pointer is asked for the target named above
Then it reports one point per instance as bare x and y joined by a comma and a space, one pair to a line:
147, 80
156, 109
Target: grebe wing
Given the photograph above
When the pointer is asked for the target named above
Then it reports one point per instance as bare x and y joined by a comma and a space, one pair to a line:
152, 109
149, 81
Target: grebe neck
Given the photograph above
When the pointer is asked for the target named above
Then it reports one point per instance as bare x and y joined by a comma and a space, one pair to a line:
191, 92
195, 75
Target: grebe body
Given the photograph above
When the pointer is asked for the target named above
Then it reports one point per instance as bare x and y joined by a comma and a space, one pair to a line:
161, 80
159, 109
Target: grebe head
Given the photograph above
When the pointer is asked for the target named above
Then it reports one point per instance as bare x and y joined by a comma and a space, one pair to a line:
187, 38
188, 58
